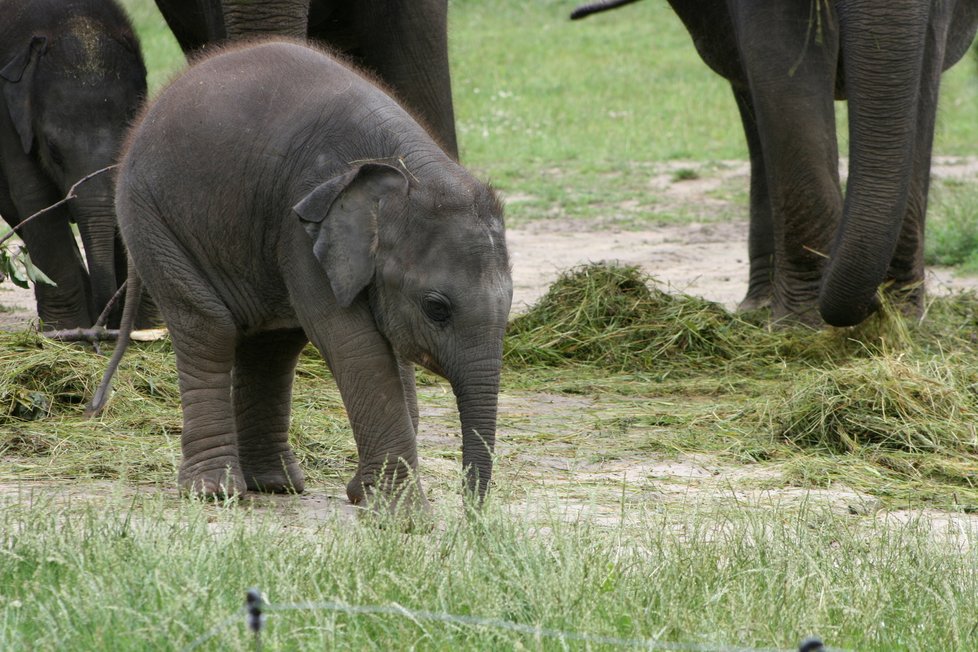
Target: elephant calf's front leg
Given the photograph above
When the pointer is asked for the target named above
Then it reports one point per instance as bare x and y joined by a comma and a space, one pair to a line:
264, 369
370, 381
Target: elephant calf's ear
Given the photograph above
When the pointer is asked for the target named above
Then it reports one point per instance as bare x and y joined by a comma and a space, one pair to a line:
340, 215
18, 75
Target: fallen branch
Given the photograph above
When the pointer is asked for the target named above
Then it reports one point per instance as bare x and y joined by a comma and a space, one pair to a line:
71, 195
99, 334
93, 335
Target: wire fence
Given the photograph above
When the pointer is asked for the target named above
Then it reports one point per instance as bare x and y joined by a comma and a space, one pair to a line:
255, 614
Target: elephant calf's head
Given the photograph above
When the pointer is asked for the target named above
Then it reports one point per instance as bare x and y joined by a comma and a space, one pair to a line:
433, 259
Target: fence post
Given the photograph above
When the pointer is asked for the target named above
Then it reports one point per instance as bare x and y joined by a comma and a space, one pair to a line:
255, 617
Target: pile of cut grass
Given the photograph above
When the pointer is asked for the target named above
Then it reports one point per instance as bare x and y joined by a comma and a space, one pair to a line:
888, 402
888, 425
44, 434
616, 318
608, 316
40, 377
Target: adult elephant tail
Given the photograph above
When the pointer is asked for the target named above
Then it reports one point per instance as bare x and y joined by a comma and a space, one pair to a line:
597, 7
891, 55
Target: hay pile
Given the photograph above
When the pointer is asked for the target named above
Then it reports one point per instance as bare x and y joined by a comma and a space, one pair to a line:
40, 377
609, 316
882, 403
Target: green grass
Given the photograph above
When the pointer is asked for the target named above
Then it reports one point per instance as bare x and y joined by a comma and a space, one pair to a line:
952, 230
148, 572
666, 470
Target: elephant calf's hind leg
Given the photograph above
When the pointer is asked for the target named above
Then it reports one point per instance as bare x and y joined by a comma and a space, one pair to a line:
204, 358
264, 369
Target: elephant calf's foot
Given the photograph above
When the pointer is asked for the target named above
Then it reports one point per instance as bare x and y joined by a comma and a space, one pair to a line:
216, 482
280, 476
405, 500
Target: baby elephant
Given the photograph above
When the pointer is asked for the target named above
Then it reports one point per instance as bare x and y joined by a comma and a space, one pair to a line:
273, 195
71, 79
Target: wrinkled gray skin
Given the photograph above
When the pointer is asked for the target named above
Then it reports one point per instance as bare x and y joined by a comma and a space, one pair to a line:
786, 61
72, 77
272, 196
404, 43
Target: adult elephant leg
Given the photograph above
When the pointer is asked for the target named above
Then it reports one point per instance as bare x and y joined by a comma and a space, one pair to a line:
906, 270
204, 344
52, 248
51, 244
48, 238
194, 23
790, 65
264, 368
760, 241
884, 48
247, 18
406, 44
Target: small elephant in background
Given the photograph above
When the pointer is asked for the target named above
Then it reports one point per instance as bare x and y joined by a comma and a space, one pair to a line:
72, 78
271, 196
403, 42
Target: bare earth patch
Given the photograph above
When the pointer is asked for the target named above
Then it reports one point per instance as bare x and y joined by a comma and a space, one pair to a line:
538, 431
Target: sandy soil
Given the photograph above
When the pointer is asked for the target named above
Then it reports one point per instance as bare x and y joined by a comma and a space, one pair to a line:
707, 259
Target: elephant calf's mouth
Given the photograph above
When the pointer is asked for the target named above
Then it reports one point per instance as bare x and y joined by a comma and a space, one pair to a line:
429, 363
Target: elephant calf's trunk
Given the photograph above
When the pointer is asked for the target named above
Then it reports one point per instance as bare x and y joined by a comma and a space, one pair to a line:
477, 413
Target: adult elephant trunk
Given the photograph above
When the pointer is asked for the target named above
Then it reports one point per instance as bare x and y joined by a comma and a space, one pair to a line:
94, 211
477, 395
244, 18
883, 46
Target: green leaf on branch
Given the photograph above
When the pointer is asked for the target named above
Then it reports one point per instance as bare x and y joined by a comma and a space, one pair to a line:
15, 264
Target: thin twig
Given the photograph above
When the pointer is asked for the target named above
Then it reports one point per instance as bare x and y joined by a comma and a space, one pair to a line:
71, 195
93, 335
104, 317
815, 251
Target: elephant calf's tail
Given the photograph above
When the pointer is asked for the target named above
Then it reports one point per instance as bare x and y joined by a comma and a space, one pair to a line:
134, 292
596, 7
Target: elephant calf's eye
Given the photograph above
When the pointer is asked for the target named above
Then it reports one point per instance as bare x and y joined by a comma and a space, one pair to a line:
437, 307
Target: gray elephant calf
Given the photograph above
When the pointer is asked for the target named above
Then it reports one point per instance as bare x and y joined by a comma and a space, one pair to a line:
71, 78
272, 194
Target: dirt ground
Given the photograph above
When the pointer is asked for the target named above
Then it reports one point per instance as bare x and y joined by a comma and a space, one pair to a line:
707, 259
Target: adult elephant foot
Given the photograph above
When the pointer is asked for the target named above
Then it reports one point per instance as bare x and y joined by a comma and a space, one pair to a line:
797, 304
906, 298
760, 286
276, 474
211, 481
754, 301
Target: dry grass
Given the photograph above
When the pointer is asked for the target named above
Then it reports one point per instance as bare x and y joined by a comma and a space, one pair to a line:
889, 403
609, 316
674, 374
